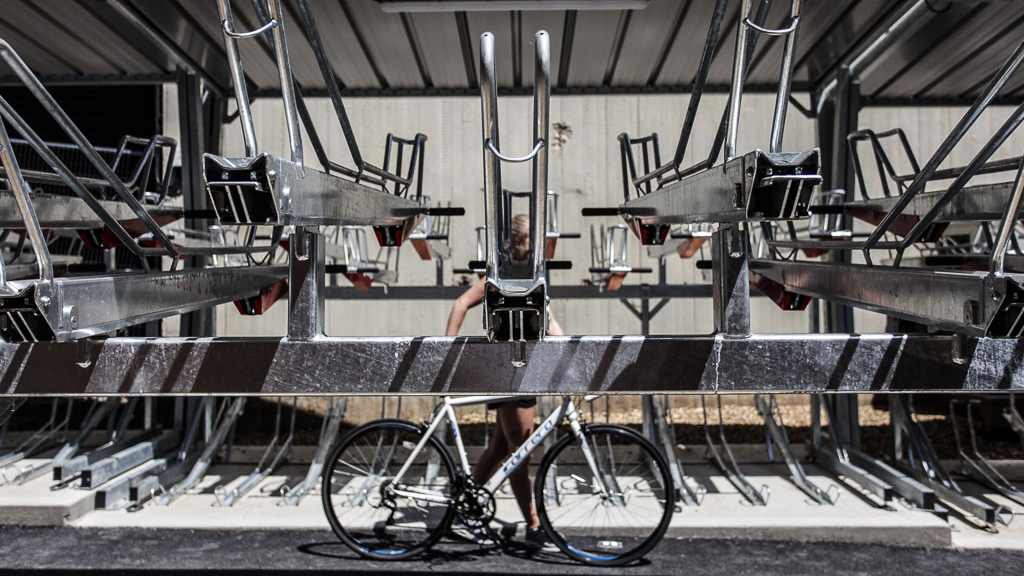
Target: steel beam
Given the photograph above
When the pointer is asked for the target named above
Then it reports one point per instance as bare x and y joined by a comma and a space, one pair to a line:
267, 190
753, 187
72, 308
968, 302
433, 365
557, 292
982, 202
55, 211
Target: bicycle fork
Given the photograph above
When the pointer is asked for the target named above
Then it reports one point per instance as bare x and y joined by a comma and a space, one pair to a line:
600, 479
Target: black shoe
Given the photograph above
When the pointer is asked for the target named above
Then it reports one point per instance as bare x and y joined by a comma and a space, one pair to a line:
538, 539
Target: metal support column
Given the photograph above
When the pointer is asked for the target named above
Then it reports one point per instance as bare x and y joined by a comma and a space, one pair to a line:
836, 119
731, 280
306, 285
190, 122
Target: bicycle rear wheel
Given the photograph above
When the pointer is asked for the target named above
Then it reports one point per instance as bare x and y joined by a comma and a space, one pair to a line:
619, 525
358, 497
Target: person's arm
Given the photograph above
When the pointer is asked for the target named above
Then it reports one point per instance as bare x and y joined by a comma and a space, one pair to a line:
469, 298
554, 328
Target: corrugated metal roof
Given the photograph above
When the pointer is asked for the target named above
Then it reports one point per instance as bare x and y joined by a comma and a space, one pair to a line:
947, 57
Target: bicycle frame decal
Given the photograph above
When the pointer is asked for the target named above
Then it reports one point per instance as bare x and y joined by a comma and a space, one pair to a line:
512, 462
446, 411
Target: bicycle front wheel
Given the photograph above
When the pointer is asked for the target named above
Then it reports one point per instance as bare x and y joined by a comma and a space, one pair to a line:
372, 514
609, 509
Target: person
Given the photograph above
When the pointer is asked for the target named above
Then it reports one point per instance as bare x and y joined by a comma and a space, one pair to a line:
514, 418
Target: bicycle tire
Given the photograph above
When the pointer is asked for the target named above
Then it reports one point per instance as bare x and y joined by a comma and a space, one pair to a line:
611, 529
352, 491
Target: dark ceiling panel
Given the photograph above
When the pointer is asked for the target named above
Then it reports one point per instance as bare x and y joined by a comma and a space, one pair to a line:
343, 51
982, 47
43, 60
104, 21
195, 28
552, 21
71, 51
128, 58
767, 61
388, 44
440, 40
499, 24
721, 65
824, 16
933, 41
987, 53
592, 46
860, 20
949, 56
684, 55
648, 29
304, 68
103, 51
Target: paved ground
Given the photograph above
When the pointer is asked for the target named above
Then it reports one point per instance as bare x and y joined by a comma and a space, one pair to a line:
134, 551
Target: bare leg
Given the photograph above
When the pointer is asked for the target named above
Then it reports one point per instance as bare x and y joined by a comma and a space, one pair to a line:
517, 425
496, 451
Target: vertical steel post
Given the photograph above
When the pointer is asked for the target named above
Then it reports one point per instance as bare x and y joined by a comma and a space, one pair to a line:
191, 124
306, 263
836, 119
731, 280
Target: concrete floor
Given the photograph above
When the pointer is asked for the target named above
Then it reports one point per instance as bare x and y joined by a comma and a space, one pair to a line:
789, 515
804, 533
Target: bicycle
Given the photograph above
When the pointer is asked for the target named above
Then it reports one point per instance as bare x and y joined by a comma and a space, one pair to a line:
392, 488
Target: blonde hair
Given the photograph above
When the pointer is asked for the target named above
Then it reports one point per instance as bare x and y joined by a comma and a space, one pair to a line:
520, 229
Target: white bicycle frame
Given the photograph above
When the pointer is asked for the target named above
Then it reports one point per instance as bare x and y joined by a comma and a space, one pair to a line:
446, 411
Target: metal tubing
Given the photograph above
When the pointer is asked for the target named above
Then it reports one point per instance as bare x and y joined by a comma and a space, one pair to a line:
541, 126
28, 214
276, 453
699, 80
306, 311
328, 433
180, 57
969, 118
284, 72
1006, 225
723, 458
238, 79
64, 121
330, 81
777, 432
515, 300
68, 178
905, 20
739, 73
993, 144
11, 405
230, 414
492, 164
785, 76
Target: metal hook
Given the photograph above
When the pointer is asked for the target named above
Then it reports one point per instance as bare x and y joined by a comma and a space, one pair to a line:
793, 24
231, 32
533, 153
